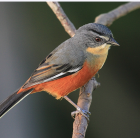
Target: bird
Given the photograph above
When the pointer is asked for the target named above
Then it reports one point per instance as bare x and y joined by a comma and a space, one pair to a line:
68, 67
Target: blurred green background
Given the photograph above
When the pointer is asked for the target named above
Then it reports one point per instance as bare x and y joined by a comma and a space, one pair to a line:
29, 31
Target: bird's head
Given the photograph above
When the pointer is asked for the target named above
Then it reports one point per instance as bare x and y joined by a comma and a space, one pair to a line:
96, 37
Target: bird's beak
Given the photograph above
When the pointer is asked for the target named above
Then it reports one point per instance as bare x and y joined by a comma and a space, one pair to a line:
113, 42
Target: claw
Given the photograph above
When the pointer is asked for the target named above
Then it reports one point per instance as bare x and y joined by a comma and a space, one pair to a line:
79, 110
83, 112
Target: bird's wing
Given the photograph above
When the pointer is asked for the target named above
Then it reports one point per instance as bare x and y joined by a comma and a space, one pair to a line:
50, 70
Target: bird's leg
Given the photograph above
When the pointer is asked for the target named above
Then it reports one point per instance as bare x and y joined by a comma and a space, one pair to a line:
79, 110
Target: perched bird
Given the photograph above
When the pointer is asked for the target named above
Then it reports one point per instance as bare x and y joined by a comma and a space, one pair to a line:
71, 65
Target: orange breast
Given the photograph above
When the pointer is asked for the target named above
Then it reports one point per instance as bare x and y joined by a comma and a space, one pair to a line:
65, 85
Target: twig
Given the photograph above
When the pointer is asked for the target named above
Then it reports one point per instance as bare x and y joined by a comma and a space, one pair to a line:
84, 100
66, 23
108, 18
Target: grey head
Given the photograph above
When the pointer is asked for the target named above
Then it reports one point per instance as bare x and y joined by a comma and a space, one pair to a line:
96, 34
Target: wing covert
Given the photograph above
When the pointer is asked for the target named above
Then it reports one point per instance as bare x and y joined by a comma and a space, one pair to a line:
49, 72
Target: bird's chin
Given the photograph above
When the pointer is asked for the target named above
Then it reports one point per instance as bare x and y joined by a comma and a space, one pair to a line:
100, 50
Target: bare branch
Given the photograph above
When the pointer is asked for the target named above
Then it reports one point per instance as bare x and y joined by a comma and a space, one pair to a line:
108, 18
66, 23
84, 101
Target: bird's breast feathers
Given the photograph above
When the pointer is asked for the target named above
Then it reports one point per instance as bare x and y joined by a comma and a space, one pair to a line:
99, 55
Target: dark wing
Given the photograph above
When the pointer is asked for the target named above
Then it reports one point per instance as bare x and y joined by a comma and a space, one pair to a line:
48, 72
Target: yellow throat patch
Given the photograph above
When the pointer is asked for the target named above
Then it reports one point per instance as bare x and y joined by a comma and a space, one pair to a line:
100, 50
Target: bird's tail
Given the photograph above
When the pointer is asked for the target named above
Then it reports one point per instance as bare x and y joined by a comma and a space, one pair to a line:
12, 100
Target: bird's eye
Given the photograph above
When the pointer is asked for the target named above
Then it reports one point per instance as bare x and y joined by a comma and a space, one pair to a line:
98, 39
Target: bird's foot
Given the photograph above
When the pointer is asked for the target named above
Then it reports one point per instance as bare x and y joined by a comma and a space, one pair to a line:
81, 111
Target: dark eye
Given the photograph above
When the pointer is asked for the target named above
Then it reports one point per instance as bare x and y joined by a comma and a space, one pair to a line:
98, 39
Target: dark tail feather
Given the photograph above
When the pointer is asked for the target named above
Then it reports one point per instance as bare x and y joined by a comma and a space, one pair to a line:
12, 100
